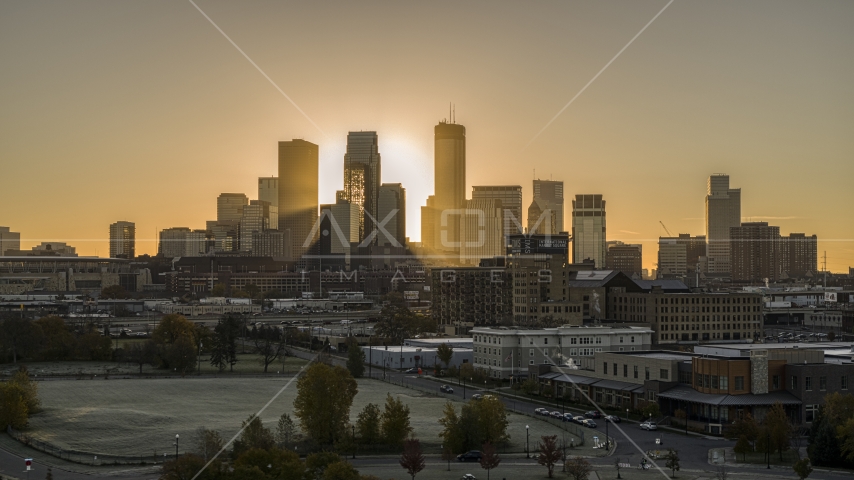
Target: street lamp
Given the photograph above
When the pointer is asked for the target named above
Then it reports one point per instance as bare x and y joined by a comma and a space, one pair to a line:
176, 446
527, 441
627, 414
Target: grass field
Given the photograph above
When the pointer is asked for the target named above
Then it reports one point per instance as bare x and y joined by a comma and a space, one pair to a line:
141, 416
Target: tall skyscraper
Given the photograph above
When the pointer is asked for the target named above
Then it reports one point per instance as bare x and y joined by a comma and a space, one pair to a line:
680, 256
481, 230
392, 211
545, 215
339, 229
9, 240
183, 242
440, 219
298, 177
798, 255
362, 178
588, 229
511, 203
258, 216
268, 190
755, 252
229, 207
123, 240
723, 211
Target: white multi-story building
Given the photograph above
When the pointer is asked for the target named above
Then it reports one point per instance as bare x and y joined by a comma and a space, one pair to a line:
504, 352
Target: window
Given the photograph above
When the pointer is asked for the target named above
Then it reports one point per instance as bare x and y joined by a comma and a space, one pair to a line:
615, 369
739, 383
625, 370
822, 383
808, 384
646, 373
605, 366
531, 352
698, 380
775, 382
715, 382
663, 374
636, 371
724, 383
811, 411
530, 362
545, 341
794, 383
844, 382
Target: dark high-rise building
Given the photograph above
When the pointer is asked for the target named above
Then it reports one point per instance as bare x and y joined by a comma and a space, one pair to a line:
392, 211
298, 203
545, 215
798, 255
440, 222
627, 258
755, 252
680, 256
362, 178
723, 211
588, 229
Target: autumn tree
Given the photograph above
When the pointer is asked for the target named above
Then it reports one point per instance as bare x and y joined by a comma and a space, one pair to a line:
368, 424
254, 435
672, 461
477, 423
186, 467
489, 458
779, 429
180, 355
550, 453
207, 442
743, 447
744, 426
395, 421
412, 459
324, 397
171, 327
579, 468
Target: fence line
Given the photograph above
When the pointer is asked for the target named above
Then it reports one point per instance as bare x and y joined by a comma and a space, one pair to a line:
86, 458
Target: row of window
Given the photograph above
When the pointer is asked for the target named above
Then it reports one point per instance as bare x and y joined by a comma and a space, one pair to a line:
663, 373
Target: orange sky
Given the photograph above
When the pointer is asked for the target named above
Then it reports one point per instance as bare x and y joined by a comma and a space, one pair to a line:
143, 111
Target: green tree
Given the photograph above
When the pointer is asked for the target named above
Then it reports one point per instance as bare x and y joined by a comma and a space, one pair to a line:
744, 426
269, 463
452, 435
218, 290
368, 424
186, 467
317, 463
324, 397
180, 355
491, 418
445, 353
19, 337
395, 421
412, 458
286, 430
254, 436
13, 407
743, 446
340, 470
28, 388
550, 453
223, 346
58, 341
651, 409
845, 436
802, 468
672, 461
113, 292
396, 322
779, 429
355, 358
141, 354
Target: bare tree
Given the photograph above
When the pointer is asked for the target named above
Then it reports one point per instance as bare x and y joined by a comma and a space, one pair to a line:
270, 345
489, 458
579, 469
550, 453
412, 458
722, 473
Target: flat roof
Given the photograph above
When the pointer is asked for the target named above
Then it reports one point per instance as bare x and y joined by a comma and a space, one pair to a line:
660, 355
782, 346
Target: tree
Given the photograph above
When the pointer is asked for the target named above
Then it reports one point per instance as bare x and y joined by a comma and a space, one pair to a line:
19, 336
28, 388
530, 386
550, 453
742, 446
13, 407
618, 464
49, 475
368, 424
722, 473
254, 435
185, 467
224, 342
57, 341
286, 430
218, 290
395, 421
651, 409
412, 458
802, 468
270, 345
340, 470
396, 321
779, 429
270, 463
489, 458
355, 359
683, 416
172, 327
579, 469
317, 463
672, 461
181, 354
845, 436
825, 444
141, 353
744, 426
208, 443
324, 397
445, 353
491, 420
113, 292
452, 435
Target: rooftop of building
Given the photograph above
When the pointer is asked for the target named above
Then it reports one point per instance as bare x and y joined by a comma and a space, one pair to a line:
658, 355
582, 329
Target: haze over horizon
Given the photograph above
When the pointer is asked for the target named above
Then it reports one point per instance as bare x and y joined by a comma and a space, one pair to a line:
145, 112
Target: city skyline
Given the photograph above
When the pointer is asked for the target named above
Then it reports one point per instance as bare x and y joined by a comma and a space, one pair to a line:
641, 135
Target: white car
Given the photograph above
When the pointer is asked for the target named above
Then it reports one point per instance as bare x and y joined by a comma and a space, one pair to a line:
648, 426
541, 411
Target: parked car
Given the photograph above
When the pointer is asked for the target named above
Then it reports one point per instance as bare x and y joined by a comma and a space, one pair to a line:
578, 419
446, 389
589, 423
470, 456
412, 370
593, 414
556, 415
477, 396
469, 476
567, 417
648, 426
612, 419
541, 411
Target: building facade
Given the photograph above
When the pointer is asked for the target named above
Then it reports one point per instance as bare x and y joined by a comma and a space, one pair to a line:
755, 252
510, 197
392, 215
440, 221
481, 230
9, 240
123, 240
466, 297
723, 211
298, 200
258, 216
627, 258
548, 205
268, 190
229, 207
362, 179
798, 255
